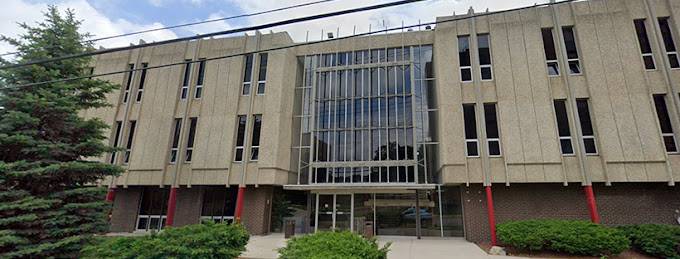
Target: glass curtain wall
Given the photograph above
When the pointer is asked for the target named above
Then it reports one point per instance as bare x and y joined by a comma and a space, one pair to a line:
366, 116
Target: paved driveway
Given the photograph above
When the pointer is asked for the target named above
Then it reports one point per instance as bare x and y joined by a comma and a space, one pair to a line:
264, 247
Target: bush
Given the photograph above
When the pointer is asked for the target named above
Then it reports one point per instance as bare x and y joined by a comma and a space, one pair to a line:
568, 236
207, 240
656, 240
333, 245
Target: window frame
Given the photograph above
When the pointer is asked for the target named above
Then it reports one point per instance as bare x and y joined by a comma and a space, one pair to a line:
668, 39
248, 64
551, 44
462, 67
479, 50
468, 140
487, 122
242, 134
255, 140
568, 136
584, 137
664, 135
142, 81
262, 76
116, 139
184, 90
641, 31
188, 153
200, 79
572, 60
128, 84
177, 134
131, 138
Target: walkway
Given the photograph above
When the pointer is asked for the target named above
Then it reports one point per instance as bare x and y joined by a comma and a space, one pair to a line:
264, 247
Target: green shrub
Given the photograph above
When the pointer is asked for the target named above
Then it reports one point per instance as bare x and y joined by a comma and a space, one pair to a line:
208, 240
656, 240
333, 245
567, 236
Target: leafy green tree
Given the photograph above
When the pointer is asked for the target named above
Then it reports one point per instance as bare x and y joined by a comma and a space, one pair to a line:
49, 206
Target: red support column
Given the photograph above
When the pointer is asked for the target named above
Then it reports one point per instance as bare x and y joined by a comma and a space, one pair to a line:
172, 204
592, 206
239, 203
492, 216
111, 195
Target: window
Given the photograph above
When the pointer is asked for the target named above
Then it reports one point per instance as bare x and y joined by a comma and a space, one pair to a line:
493, 141
247, 74
665, 123
645, 47
128, 146
219, 204
175, 140
142, 78
128, 84
668, 42
255, 147
563, 127
586, 126
199, 80
471, 141
240, 138
464, 58
190, 140
152, 210
550, 53
119, 126
484, 57
262, 74
572, 53
185, 83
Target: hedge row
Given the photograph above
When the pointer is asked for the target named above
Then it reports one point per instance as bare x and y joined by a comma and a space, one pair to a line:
208, 240
586, 238
333, 245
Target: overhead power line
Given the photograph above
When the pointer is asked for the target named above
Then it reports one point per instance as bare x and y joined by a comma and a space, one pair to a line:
197, 23
219, 33
290, 46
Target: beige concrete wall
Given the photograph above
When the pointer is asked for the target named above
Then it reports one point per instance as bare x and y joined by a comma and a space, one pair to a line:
630, 148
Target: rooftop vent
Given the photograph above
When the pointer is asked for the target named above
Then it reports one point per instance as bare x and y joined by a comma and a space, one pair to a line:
330, 35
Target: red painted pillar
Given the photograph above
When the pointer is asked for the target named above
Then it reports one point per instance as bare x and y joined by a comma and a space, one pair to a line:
111, 195
492, 216
172, 204
239, 203
592, 206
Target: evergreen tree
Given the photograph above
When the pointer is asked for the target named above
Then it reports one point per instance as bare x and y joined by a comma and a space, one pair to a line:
49, 204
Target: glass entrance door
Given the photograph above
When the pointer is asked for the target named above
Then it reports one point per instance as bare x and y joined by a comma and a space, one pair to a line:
334, 211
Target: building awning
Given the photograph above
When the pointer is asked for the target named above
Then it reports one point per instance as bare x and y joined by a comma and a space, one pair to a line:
369, 187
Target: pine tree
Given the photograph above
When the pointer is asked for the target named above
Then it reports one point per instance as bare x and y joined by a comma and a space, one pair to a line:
49, 203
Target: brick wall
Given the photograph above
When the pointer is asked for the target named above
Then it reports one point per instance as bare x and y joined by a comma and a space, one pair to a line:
125, 206
622, 203
188, 207
257, 207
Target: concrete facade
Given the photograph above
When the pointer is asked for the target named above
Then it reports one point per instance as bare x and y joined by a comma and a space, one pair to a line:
631, 170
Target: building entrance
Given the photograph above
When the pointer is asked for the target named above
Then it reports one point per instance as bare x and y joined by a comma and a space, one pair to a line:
334, 211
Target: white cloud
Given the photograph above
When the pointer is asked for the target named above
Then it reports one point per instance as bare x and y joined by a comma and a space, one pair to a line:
156, 3
211, 26
94, 22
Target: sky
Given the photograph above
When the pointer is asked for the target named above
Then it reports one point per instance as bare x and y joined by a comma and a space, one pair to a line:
112, 17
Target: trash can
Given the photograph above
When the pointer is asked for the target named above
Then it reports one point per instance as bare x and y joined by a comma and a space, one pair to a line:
368, 229
289, 228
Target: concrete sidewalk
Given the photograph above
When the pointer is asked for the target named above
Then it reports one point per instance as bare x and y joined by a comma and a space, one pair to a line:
264, 247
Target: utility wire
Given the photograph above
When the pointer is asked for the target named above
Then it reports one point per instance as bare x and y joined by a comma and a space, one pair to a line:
200, 36
292, 45
196, 23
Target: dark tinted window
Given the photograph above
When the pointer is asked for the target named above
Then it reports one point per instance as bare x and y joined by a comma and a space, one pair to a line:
562, 119
464, 50
491, 120
129, 76
641, 31
470, 121
667, 35
201, 72
219, 201
176, 135
584, 117
240, 133
248, 70
484, 52
131, 134
570, 42
662, 113
143, 76
192, 132
548, 44
257, 124
187, 73
262, 76
154, 201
